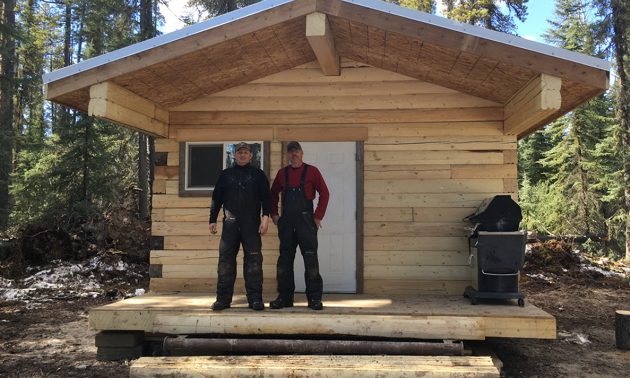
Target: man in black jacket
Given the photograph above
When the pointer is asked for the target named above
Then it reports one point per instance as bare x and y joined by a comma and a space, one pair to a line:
241, 190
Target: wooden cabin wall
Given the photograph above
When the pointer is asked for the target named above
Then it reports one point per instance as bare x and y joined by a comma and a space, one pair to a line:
431, 156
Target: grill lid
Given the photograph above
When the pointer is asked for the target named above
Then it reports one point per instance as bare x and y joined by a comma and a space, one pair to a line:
498, 213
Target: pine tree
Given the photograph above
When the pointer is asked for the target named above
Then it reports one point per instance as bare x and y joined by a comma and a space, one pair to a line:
8, 34
427, 6
574, 170
487, 13
613, 32
215, 8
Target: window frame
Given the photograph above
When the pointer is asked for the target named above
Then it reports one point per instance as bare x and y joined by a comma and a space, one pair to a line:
184, 166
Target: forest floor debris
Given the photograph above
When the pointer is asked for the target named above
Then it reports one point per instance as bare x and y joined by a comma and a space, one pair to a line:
45, 333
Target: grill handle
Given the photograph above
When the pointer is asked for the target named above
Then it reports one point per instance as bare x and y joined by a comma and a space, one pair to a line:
499, 274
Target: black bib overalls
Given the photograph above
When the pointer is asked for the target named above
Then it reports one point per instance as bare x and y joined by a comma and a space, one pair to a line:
240, 229
296, 227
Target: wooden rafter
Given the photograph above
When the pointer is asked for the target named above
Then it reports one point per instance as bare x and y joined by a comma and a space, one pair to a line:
321, 39
533, 103
115, 104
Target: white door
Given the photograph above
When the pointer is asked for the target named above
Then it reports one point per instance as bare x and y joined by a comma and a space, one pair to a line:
337, 249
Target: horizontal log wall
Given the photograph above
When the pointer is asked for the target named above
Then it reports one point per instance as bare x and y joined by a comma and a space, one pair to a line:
431, 156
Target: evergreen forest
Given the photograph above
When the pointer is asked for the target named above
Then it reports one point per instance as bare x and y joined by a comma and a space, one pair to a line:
59, 167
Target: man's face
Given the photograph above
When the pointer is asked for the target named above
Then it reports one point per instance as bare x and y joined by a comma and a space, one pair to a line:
295, 156
242, 156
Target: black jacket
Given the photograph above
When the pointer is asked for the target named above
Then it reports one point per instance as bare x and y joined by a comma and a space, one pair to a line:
241, 190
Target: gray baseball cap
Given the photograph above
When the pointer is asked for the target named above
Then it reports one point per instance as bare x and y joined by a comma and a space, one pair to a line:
294, 144
242, 145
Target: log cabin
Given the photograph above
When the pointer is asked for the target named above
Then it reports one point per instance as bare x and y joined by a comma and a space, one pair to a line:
413, 120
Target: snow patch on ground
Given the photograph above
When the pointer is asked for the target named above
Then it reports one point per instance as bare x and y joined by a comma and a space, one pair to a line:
64, 279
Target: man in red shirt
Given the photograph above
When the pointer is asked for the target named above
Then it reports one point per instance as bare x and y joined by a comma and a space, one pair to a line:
298, 225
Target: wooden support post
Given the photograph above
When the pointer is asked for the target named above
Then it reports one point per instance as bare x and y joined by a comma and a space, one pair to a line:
536, 101
319, 35
115, 104
622, 329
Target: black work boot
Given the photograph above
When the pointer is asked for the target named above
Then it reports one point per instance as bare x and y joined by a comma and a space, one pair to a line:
257, 305
315, 304
281, 303
220, 305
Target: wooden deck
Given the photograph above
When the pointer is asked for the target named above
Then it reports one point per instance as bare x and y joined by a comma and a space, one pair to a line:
394, 316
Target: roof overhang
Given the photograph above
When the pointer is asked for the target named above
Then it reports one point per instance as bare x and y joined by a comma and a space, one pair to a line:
240, 45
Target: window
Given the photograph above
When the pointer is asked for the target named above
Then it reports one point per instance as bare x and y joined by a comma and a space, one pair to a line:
201, 164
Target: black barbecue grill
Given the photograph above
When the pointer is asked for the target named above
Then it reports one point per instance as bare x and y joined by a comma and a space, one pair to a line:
497, 250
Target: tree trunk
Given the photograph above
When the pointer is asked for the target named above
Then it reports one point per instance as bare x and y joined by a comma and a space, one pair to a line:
6, 109
620, 30
622, 329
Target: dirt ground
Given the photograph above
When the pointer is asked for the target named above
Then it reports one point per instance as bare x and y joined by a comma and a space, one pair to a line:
51, 338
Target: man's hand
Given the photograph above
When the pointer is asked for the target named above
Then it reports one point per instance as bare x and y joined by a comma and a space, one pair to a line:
213, 228
275, 218
318, 222
263, 226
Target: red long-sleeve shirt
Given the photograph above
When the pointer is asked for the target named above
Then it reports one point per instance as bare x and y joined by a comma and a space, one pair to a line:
312, 182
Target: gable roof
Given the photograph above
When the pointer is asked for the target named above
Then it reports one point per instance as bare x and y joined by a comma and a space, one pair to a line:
269, 37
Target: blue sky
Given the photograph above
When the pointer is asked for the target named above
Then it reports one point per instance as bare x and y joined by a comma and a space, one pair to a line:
539, 11
536, 24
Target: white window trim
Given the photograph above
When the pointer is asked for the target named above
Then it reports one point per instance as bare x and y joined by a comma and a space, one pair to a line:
224, 144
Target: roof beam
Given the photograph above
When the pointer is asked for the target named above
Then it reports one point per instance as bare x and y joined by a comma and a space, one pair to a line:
112, 103
536, 101
320, 36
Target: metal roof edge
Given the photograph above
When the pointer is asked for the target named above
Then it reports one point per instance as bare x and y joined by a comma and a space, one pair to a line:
162, 40
480, 32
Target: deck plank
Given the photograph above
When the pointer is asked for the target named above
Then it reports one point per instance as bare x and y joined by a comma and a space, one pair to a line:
348, 314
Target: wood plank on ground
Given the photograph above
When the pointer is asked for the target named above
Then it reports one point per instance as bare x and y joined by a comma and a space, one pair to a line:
316, 366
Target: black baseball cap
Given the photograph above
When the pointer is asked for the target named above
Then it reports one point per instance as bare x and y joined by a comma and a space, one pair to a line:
242, 145
294, 144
